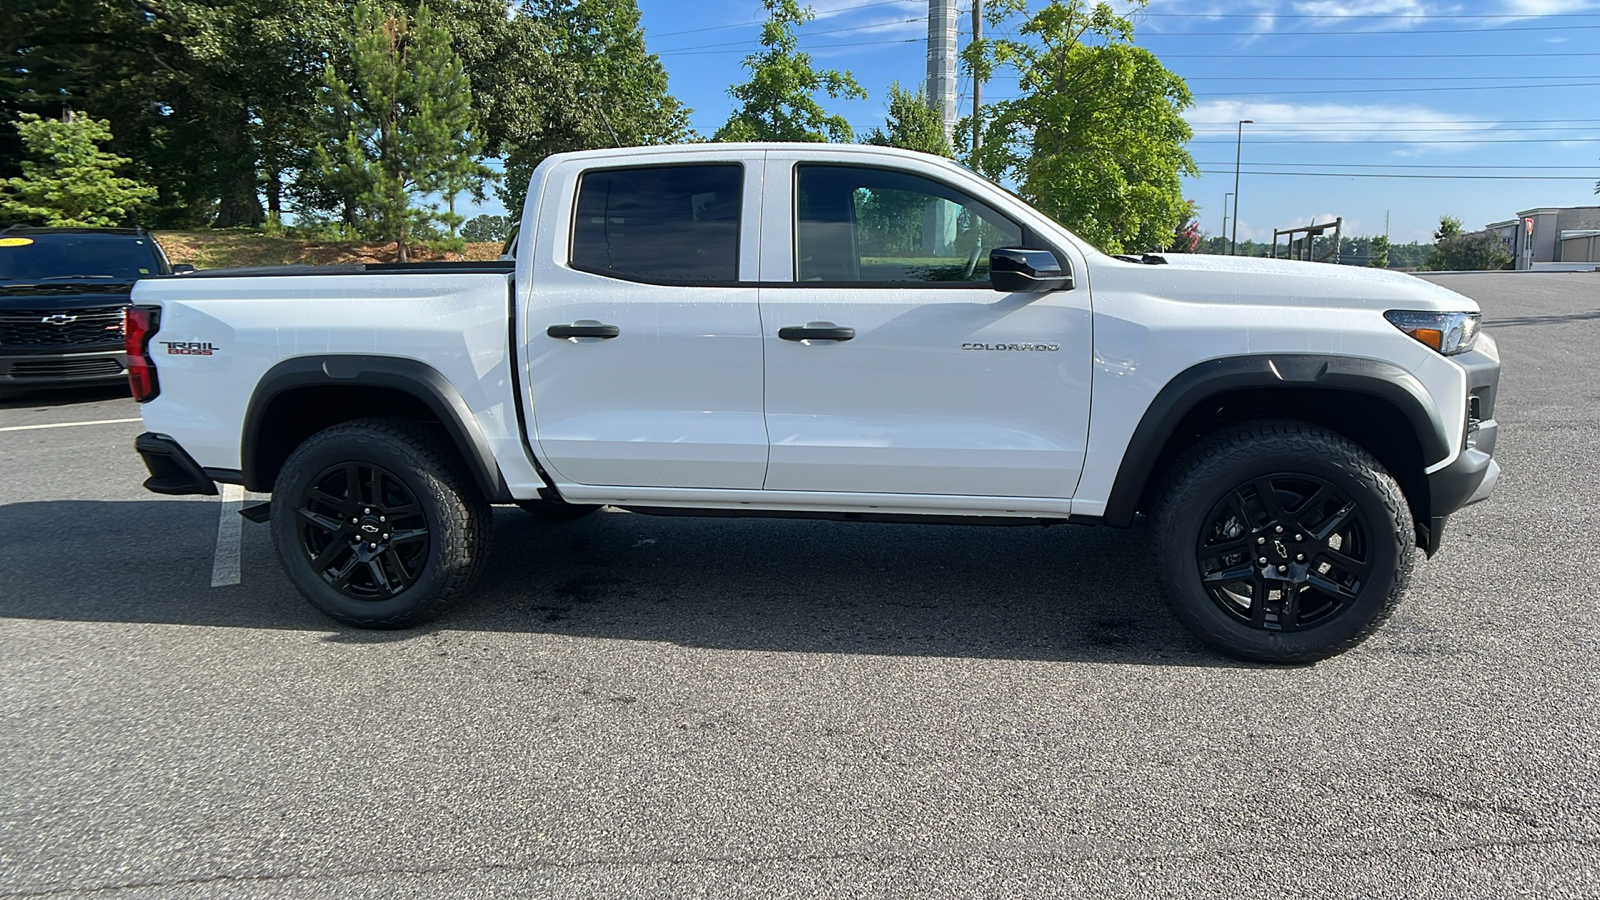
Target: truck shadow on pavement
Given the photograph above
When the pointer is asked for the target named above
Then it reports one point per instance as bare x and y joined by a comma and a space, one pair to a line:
1062, 593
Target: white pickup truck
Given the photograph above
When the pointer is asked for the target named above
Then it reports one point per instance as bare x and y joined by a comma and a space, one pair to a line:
839, 332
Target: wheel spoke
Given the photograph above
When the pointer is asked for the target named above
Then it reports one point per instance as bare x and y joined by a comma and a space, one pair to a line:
342, 577
401, 574
1258, 603
1289, 614
342, 504
352, 481
323, 522
1268, 497
1228, 547
1329, 586
1309, 505
329, 553
1334, 522
1238, 573
379, 579
1349, 564
407, 536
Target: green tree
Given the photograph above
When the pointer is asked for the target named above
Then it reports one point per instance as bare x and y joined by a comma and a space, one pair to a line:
406, 114
1096, 137
481, 229
1469, 252
1378, 252
912, 124
778, 102
67, 179
579, 78
1449, 227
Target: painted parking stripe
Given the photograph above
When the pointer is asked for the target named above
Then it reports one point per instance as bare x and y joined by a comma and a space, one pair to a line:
69, 424
225, 565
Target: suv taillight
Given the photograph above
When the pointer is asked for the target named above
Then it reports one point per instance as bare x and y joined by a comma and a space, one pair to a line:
139, 324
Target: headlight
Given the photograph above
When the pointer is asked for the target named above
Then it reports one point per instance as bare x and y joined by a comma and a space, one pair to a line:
1448, 333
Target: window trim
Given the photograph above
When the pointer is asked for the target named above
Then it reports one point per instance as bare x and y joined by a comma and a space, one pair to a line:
1030, 239
634, 278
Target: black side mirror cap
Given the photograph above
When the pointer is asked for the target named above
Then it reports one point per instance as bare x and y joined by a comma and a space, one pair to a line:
182, 269
1017, 270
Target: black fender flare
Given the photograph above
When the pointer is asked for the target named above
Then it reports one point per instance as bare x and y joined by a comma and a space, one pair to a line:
1200, 382
409, 376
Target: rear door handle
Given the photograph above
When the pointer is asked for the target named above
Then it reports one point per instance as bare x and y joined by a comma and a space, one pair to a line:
583, 330
816, 331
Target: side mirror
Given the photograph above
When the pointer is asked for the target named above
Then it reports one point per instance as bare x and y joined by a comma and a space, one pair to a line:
1015, 270
182, 269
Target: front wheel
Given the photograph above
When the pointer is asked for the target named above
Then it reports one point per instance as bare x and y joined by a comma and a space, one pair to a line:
1282, 542
377, 524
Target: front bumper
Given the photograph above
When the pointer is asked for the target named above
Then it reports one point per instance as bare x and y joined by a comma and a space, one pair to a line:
61, 370
1474, 473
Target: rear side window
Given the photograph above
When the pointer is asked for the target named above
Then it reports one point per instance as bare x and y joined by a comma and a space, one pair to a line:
665, 224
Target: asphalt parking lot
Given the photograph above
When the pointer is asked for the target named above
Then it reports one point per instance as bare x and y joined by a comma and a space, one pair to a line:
640, 706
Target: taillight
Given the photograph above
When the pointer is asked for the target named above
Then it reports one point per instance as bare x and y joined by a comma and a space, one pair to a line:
139, 324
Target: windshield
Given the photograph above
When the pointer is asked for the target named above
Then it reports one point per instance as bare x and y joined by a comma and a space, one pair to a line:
35, 257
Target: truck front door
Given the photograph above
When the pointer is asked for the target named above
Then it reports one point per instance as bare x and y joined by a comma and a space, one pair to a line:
892, 366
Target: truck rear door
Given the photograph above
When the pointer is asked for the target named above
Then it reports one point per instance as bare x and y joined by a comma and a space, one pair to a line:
643, 332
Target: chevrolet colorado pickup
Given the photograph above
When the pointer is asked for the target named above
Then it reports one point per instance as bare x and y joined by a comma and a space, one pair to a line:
838, 332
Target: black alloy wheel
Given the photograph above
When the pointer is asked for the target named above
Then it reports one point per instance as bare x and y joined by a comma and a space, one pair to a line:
363, 531
1281, 541
378, 523
1284, 552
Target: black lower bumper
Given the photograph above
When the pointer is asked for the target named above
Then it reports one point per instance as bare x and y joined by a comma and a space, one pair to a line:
62, 370
172, 469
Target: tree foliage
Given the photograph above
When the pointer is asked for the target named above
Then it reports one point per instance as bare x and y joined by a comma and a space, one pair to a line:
778, 102
1379, 252
482, 229
1477, 251
912, 124
216, 100
1449, 227
581, 79
1096, 137
400, 126
67, 179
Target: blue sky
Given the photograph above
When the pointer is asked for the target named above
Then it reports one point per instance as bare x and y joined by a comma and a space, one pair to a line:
1503, 88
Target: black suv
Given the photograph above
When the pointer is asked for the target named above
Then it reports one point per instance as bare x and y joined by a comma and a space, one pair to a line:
62, 292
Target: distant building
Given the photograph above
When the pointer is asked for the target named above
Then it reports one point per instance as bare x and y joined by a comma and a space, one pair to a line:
1551, 237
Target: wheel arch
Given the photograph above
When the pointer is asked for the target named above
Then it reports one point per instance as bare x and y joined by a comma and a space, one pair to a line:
298, 397
1379, 405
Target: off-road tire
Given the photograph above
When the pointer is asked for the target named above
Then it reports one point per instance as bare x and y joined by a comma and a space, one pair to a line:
1228, 459
421, 459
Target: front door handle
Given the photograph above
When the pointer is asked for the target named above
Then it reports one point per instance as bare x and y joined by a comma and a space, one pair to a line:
816, 331
583, 329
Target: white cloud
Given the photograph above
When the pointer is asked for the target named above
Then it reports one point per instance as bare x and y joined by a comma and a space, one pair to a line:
1331, 122
1362, 14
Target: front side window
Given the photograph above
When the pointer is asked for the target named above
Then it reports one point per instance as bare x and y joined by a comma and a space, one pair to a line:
666, 224
858, 225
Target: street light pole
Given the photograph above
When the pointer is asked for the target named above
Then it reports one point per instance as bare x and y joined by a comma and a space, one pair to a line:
1238, 150
1225, 214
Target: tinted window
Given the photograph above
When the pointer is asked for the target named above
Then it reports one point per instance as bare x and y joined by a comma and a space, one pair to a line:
33, 257
674, 224
871, 225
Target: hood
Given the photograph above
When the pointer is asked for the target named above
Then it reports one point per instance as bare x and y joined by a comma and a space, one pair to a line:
64, 294
1243, 279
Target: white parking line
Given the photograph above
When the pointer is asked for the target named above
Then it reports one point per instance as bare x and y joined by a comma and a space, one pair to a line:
69, 424
225, 565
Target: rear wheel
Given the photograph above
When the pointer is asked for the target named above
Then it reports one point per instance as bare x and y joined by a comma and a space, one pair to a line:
1282, 542
376, 523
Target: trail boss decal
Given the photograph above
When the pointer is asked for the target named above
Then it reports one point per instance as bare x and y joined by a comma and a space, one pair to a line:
189, 348
1011, 346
